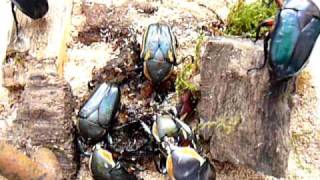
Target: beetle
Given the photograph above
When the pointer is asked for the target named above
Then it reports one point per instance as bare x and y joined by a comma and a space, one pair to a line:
288, 46
103, 167
167, 129
169, 126
34, 9
158, 52
98, 113
184, 163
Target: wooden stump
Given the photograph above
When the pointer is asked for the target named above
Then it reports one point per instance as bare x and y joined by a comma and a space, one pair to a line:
45, 107
44, 117
243, 123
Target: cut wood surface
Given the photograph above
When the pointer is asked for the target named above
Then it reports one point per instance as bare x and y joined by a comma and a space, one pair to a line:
245, 126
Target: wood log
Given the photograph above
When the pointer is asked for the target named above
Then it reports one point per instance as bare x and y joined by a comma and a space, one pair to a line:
242, 122
44, 117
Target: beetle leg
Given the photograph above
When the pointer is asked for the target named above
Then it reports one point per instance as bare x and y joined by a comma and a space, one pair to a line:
177, 42
81, 146
279, 3
15, 18
294, 90
159, 97
265, 23
160, 163
265, 49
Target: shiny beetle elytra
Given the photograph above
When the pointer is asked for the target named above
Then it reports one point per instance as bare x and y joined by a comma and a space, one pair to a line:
34, 9
185, 163
158, 52
96, 115
296, 30
103, 167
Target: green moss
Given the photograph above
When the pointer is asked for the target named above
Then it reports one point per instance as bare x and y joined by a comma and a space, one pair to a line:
189, 69
244, 19
226, 125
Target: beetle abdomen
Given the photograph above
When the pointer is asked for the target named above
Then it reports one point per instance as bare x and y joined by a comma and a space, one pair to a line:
35, 9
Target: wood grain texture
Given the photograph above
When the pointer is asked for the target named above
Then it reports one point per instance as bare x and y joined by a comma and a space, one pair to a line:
243, 124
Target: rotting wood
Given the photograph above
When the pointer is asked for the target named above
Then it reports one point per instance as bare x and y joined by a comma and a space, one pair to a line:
44, 117
243, 124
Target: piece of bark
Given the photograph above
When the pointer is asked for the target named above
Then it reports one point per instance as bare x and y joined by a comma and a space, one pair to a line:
243, 123
44, 117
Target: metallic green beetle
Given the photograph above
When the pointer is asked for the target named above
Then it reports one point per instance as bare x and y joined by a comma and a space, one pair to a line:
158, 52
295, 32
97, 113
103, 167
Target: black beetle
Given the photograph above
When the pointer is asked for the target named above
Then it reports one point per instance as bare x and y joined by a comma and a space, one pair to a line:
34, 9
158, 52
296, 30
103, 166
184, 163
97, 114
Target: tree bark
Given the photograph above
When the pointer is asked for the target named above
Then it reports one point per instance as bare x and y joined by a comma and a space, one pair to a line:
242, 121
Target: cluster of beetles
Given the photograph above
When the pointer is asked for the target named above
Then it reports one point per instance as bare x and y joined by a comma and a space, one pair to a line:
169, 140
